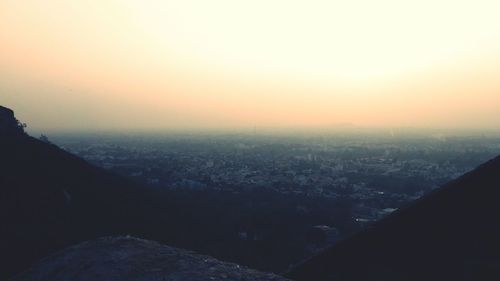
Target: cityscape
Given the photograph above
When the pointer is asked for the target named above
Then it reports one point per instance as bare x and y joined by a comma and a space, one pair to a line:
376, 173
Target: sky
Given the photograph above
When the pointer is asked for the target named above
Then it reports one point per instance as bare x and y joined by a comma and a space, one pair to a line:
139, 64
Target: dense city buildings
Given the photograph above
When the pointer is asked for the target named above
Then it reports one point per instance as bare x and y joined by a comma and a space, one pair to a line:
376, 173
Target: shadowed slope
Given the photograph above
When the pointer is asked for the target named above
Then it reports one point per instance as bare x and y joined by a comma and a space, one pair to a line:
451, 234
50, 199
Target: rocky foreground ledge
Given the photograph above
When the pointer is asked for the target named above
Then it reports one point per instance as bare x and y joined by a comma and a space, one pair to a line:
133, 259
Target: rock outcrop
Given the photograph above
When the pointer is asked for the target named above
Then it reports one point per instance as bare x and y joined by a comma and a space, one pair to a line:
133, 259
8, 123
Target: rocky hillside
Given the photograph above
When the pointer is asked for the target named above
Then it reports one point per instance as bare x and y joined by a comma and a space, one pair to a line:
133, 259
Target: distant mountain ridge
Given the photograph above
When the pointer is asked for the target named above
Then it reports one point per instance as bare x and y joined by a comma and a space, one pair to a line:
451, 234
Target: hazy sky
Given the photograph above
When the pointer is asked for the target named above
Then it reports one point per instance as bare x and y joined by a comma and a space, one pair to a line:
129, 64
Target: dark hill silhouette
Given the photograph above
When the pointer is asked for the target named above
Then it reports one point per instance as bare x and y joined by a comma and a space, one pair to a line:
50, 199
451, 234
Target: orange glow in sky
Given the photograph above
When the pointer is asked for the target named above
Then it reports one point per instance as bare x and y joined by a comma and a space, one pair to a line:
135, 64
